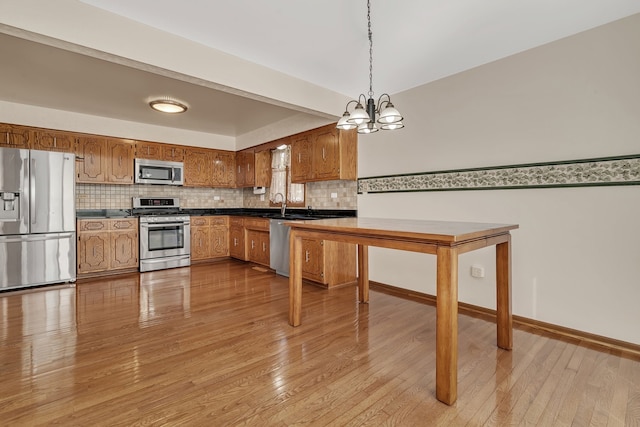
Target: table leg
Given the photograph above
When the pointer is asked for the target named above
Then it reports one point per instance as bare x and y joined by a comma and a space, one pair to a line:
447, 325
363, 273
295, 279
503, 293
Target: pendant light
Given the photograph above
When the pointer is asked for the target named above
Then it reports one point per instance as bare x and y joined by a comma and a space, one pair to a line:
365, 119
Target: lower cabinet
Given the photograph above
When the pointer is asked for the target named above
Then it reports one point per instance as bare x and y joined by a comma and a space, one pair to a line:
258, 247
107, 244
257, 240
328, 263
237, 247
209, 237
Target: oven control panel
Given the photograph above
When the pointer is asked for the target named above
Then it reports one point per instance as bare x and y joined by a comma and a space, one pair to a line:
160, 219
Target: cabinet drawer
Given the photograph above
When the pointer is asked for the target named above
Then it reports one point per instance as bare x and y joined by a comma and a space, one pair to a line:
123, 224
199, 221
93, 225
256, 224
220, 220
236, 221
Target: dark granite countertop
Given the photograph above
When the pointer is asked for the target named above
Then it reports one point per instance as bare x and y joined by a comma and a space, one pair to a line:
257, 212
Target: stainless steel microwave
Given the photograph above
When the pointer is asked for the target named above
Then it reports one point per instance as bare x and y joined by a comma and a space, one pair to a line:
158, 172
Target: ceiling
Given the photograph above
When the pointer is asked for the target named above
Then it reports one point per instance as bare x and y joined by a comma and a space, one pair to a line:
323, 42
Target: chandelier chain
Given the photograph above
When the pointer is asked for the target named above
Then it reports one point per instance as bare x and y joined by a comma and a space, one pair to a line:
370, 49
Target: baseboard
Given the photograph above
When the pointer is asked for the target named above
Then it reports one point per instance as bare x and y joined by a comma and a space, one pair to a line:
560, 332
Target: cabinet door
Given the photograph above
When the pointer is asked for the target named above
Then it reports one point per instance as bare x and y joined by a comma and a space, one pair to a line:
93, 252
326, 155
197, 167
53, 141
219, 241
313, 260
200, 243
245, 169
149, 150
258, 247
223, 169
125, 249
236, 243
301, 170
173, 153
14, 136
263, 168
120, 162
90, 160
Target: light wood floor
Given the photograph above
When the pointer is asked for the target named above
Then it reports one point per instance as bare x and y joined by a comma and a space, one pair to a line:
210, 346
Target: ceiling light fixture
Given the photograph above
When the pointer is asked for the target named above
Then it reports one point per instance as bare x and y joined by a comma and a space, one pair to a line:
168, 106
365, 120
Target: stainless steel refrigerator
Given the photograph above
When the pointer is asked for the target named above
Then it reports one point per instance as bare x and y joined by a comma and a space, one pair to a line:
37, 218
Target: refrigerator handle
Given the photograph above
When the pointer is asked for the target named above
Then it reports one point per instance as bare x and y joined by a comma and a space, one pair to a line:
32, 193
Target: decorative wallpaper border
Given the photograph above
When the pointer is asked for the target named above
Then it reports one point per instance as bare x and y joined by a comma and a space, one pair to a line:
620, 170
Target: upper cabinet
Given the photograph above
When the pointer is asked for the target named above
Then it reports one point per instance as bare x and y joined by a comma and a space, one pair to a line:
223, 166
47, 140
159, 151
263, 168
324, 154
245, 168
14, 136
104, 160
197, 167
149, 150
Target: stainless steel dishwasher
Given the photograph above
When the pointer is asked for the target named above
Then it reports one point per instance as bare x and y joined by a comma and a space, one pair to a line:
279, 246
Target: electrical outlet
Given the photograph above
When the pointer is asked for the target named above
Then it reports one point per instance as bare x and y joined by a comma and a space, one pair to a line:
477, 271
334, 195
216, 197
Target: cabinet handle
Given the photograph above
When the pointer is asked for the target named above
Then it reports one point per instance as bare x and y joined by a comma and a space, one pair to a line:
94, 251
299, 160
235, 241
253, 244
306, 256
55, 141
264, 247
323, 154
120, 161
7, 137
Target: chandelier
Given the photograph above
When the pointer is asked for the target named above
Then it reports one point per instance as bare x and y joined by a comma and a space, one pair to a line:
365, 120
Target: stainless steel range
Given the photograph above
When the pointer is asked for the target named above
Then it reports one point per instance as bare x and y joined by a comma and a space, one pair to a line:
164, 233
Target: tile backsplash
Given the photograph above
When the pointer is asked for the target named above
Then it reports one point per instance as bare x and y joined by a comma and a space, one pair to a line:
101, 196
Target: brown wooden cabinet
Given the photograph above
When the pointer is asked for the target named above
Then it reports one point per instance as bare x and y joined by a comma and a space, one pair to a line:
245, 168
328, 263
197, 167
262, 162
149, 150
237, 247
223, 167
104, 160
14, 136
42, 139
119, 162
209, 237
91, 160
323, 154
301, 153
106, 245
159, 151
257, 240
173, 153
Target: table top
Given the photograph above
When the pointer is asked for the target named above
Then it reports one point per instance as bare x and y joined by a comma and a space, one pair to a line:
421, 230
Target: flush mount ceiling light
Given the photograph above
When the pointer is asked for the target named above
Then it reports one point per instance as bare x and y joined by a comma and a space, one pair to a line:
170, 106
365, 120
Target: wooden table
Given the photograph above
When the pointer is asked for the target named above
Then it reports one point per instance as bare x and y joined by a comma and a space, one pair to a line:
444, 239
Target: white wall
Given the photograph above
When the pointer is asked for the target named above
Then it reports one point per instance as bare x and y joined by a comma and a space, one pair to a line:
576, 256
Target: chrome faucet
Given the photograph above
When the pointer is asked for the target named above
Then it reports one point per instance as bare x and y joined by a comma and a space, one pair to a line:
283, 208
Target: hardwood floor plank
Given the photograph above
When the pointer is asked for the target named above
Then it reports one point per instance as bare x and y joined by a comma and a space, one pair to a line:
211, 345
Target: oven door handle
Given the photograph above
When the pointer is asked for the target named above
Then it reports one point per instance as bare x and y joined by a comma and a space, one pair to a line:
162, 224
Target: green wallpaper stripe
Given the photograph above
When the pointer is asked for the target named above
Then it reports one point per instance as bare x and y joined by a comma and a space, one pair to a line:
619, 170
